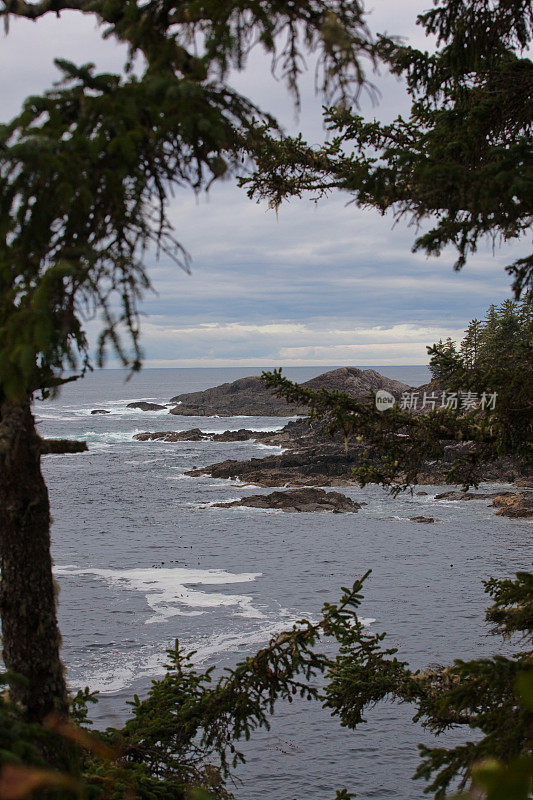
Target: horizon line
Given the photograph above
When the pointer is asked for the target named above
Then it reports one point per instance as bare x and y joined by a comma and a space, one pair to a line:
257, 366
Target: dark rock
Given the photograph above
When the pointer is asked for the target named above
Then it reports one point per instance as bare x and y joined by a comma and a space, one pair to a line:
142, 405
302, 500
249, 396
422, 519
524, 483
100, 411
516, 506
503, 470
356, 382
312, 459
242, 435
420, 494
192, 435
328, 465
453, 495
197, 435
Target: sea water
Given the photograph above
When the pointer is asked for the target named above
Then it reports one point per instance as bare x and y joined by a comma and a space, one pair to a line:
142, 557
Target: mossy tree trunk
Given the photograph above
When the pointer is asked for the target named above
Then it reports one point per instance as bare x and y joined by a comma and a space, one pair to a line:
30, 634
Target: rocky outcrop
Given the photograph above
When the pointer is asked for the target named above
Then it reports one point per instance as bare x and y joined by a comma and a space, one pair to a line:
312, 458
303, 500
250, 397
324, 466
454, 495
192, 435
246, 396
356, 382
315, 460
422, 519
517, 505
100, 411
197, 435
524, 483
142, 405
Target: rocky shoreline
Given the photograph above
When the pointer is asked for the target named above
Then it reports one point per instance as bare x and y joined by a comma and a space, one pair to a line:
516, 505
197, 435
310, 459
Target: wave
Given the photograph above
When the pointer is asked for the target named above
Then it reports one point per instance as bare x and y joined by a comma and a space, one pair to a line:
244, 509
108, 437
115, 408
149, 662
142, 462
119, 408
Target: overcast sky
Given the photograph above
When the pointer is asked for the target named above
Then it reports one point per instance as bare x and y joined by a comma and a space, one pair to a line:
325, 284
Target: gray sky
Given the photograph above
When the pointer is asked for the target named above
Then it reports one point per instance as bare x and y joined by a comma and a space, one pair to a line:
318, 284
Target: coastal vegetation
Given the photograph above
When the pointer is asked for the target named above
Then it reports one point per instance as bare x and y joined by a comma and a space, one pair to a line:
461, 162
481, 396
85, 175
182, 740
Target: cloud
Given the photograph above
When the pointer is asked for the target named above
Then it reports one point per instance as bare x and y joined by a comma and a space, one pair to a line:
289, 344
315, 284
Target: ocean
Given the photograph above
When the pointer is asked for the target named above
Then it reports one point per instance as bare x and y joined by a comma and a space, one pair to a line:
142, 557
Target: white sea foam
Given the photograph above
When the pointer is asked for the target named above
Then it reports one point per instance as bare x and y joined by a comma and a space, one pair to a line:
244, 642
109, 437
141, 462
168, 592
250, 509
147, 663
122, 411
105, 681
113, 407
59, 416
211, 503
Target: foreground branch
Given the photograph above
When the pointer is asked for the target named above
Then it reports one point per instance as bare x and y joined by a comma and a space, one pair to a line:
21, 8
60, 446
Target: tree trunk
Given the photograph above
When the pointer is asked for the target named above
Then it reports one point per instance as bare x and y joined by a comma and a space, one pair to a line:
30, 634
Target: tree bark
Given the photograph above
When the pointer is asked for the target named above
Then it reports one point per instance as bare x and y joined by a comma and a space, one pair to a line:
30, 634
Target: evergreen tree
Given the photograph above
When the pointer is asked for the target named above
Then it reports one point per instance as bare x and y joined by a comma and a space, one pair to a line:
462, 160
494, 412
85, 174
492, 696
470, 344
447, 362
500, 337
186, 732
